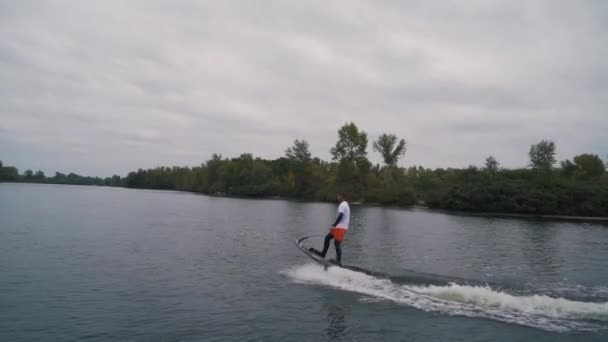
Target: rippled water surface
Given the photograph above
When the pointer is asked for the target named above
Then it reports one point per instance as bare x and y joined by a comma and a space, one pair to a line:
106, 264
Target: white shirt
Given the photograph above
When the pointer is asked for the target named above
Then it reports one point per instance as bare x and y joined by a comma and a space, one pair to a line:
345, 210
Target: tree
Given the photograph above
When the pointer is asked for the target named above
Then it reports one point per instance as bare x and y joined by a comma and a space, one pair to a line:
116, 180
299, 151
590, 165
568, 168
39, 176
353, 167
492, 164
542, 155
351, 145
389, 148
8, 173
298, 171
214, 168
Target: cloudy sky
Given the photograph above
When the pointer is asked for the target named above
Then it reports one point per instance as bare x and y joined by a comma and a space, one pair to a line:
103, 87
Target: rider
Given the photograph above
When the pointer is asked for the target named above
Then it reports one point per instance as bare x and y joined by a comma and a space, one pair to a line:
337, 230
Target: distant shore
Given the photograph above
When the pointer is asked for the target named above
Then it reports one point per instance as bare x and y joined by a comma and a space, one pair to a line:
565, 218
590, 219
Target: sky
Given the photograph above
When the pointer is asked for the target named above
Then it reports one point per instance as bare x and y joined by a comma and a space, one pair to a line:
105, 87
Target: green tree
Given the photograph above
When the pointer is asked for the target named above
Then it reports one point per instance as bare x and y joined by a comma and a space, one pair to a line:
353, 167
116, 180
39, 176
351, 145
299, 151
492, 164
298, 171
214, 167
390, 149
590, 165
8, 173
568, 168
542, 156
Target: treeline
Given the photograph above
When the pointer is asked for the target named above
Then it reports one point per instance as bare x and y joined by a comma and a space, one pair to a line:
11, 174
577, 187
521, 192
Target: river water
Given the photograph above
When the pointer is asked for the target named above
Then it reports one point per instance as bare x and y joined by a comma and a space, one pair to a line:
112, 264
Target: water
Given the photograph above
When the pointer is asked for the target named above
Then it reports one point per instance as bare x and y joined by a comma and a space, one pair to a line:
106, 264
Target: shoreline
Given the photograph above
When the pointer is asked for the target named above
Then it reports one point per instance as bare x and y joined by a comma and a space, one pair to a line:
590, 219
563, 218
552, 217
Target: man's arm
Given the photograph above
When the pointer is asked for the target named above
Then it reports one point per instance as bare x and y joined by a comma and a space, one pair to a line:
338, 219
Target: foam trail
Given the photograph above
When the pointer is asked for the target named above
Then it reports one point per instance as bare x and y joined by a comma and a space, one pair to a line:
535, 304
539, 311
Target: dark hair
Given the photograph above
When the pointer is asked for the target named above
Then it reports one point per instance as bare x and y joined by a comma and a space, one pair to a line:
342, 194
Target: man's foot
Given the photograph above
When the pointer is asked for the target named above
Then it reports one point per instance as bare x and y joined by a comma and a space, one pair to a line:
316, 252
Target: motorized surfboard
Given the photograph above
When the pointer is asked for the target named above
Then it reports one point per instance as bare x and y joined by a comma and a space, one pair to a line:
326, 263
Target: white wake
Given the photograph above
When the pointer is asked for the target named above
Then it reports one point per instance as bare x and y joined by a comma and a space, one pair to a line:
539, 311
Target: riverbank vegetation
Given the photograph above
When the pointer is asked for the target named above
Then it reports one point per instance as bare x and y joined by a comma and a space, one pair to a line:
577, 187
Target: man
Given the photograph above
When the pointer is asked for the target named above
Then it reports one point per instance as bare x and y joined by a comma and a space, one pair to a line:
337, 230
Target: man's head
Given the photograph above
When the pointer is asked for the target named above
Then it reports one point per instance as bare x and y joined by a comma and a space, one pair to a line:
341, 197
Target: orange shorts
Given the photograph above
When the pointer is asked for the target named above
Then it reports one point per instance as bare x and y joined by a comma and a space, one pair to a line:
338, 233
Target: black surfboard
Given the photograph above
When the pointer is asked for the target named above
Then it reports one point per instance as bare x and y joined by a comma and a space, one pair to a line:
329, 262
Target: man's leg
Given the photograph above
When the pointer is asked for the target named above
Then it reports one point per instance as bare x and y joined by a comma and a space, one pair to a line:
328, 238
322, 254
338, 251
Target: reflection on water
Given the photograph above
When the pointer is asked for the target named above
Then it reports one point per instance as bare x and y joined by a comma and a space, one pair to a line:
337, 329
540, 249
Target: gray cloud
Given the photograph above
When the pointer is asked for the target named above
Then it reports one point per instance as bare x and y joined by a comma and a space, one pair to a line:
111, 86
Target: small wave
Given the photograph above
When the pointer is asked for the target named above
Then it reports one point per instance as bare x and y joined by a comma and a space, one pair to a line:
572, 291
535, 304
538, 311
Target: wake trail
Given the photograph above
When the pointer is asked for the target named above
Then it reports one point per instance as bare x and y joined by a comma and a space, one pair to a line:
536, 310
